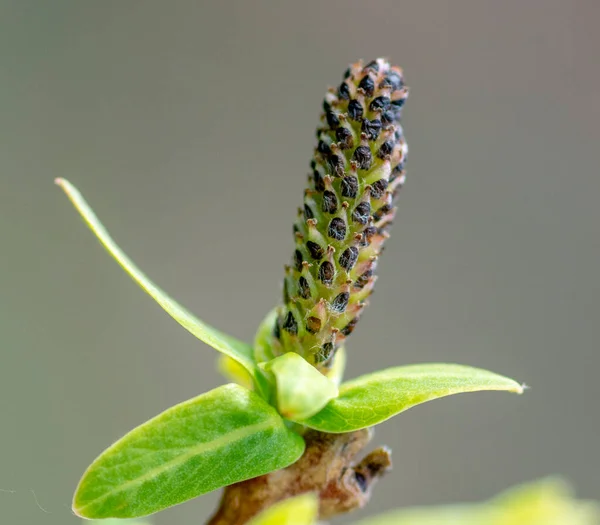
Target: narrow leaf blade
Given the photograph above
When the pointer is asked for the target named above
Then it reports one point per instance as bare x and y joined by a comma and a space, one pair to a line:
373, 398
298, 510
224, 436
224, 343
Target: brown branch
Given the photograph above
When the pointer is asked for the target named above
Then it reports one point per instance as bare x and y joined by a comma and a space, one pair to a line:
327, 468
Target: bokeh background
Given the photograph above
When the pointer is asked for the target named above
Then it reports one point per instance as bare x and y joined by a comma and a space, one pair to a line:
189, 126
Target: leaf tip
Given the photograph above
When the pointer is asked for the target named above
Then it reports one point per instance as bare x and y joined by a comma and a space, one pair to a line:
522, 388
80, 505
64, 185
514, 387
78, 512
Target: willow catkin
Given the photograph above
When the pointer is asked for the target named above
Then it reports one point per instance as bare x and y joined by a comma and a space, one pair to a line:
357, 170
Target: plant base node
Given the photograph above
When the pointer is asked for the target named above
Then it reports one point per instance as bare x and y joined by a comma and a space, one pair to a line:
328, 467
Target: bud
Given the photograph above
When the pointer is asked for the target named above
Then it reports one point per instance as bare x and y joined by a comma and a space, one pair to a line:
357, 170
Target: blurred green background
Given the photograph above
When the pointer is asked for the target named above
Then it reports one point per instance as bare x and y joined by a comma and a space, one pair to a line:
189, 127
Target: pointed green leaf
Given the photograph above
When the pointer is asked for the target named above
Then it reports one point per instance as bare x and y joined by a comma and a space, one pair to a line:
373, 398
298, 510
301, 390
224, 436
230, 346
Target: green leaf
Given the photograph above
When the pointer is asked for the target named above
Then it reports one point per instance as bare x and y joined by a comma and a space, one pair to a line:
224, 343
549, 501
443, 515
263, 350
373, 398
336, 372
544, 502
224, 436
231, 370
298, 510
301, 390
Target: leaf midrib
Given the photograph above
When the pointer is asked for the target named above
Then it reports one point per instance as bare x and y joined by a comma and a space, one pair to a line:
210, 446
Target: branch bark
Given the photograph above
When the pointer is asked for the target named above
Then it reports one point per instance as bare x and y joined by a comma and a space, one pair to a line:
328, 467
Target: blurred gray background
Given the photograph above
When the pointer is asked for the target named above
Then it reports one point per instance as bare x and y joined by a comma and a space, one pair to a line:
189, 127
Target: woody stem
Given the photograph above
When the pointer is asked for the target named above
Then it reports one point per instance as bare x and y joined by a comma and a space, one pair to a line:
328, 467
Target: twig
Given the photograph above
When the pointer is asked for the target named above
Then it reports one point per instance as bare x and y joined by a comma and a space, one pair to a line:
327, 467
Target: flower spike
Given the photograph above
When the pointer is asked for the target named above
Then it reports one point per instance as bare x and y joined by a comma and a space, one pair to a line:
357, 170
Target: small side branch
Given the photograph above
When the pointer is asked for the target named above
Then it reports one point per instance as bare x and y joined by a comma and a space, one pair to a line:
328, 467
